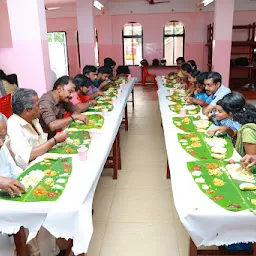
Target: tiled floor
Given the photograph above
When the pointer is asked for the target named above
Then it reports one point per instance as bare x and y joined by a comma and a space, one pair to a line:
135, 214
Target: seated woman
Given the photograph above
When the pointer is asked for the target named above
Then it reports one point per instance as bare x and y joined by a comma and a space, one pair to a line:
27, 139
240, 111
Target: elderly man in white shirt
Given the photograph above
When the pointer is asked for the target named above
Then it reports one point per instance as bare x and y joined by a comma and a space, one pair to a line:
8, 169
27, 139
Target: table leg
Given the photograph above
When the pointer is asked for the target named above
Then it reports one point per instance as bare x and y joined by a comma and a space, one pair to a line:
192, 248
254, 249
119, 151
126, 118
20, 243
133, 98
168, 174
115, 160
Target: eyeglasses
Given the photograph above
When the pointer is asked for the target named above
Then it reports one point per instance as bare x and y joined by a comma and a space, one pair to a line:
209, 85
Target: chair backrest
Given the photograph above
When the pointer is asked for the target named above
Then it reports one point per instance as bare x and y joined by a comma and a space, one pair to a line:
6, 105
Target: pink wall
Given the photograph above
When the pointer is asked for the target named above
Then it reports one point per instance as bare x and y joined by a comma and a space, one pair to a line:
153, 25
110, 35
5, 31
28, 55
69, 25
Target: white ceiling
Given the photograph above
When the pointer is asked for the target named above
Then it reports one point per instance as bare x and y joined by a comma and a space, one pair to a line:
117, 7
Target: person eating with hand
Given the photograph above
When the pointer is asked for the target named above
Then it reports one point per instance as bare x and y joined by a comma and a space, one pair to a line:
27, 139
54, 104
8, 169
248, 161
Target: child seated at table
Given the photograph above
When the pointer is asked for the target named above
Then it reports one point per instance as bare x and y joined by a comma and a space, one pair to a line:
200, 95
84, 94
222, 119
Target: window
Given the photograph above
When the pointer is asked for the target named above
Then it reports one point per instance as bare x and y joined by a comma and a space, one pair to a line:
57, 44
174, 41
132, 43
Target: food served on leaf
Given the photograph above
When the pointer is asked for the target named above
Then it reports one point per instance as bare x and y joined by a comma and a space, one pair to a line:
49, 172
40, 191
205, 187
215, 172
196, 173
49, 182
216, 198
219, 150
218, 182
216, 142
201, 124
95, 121
247, 186
220, 187
218, 156
237, 172
32, 179
72, 143
43, 184
200, 180
100, 106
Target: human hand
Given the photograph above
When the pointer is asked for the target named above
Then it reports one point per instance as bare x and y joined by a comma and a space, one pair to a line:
219, 130
61, 136
248, 161
101, 94
93, 102
190, 100
81, 117
12, 186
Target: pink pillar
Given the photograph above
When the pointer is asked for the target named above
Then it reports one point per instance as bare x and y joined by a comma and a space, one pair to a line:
29, 55
222, 38
106, 46
86, 32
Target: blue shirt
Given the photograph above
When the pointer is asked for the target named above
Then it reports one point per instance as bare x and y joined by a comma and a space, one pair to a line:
96, 83
201, 96
222, 91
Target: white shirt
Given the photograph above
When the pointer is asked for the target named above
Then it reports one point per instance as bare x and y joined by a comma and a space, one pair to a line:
24, 138
8, 168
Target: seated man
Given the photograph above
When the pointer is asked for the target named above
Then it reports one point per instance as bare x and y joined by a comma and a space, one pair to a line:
215, 90
111, 64
102, 82
27, 139
8, 169
55, 103
80, 97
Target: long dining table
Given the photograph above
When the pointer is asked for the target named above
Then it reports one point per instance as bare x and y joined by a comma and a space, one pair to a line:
70, 216
207, 223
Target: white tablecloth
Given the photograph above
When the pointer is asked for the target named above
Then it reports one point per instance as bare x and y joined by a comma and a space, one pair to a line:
207, 223
71, 215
